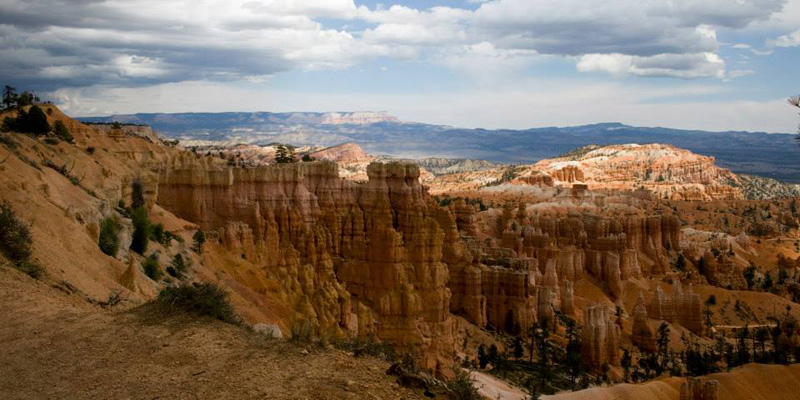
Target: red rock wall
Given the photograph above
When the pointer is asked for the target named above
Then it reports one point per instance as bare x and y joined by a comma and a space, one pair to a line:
336, 245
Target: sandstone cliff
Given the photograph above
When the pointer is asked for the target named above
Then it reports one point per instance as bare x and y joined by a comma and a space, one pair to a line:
362, 257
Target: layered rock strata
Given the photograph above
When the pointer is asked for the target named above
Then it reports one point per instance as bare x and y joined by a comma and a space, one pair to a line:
698, 389
683, 308
368, 256
600, 337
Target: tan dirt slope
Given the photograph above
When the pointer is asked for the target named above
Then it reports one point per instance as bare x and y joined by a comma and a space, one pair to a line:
56, 346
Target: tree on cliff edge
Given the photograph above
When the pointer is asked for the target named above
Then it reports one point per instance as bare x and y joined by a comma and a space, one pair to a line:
284, 154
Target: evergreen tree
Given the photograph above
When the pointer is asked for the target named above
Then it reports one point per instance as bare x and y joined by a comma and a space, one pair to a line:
493, 354
9, 96
483, 359
518, 350
767, 284
137, 194
750, 276
109, 236
680, 263
141, 231
626, 365
37, 122
199, 239
284, 154
662, 341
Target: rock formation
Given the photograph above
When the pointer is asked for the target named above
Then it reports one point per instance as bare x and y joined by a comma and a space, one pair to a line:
342, 153
698, 389
600, 337
335, 245
642, 335
681, 307
667, 171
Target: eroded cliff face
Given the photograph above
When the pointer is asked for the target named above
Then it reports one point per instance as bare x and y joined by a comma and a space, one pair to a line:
360, 257
524, 266
665, 170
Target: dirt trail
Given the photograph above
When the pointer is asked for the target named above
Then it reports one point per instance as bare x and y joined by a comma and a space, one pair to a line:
493, 388
56, 346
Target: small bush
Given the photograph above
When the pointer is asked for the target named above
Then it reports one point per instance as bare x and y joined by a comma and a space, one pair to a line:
179, 263
16, 240
157, 233
90, 150
302, 331
33, 269
152, 269
109, 236
8, 141
368, 346
62, 132
15, 237
205, 299
51, 141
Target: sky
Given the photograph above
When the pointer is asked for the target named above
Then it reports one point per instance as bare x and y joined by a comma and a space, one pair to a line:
695, 64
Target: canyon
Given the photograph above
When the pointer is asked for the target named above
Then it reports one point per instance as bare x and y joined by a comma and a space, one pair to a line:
432, 260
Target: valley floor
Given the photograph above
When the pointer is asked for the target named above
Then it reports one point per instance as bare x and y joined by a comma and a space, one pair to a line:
56, 346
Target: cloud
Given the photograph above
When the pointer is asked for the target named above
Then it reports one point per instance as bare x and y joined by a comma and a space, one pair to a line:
51, 44
144, 42
790, 40
686, 66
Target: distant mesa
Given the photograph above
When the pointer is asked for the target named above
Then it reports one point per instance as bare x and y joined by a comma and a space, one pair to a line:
755, 153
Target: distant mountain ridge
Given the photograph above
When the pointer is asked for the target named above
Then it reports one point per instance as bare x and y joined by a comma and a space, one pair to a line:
756, 153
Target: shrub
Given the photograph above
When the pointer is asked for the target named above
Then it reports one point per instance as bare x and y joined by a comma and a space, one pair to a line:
137, 194
33, 269
15, 242
109, 236
51, 141
90, 150
62, 132
15, 237
461, 386
157, 233
34, 121
368, 346
205, 299
141, 231
179, 263
302, 331
152, 269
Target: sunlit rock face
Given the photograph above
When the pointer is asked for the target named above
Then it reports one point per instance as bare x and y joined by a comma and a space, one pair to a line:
366, 257
681, 307
667, 171
524, 266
